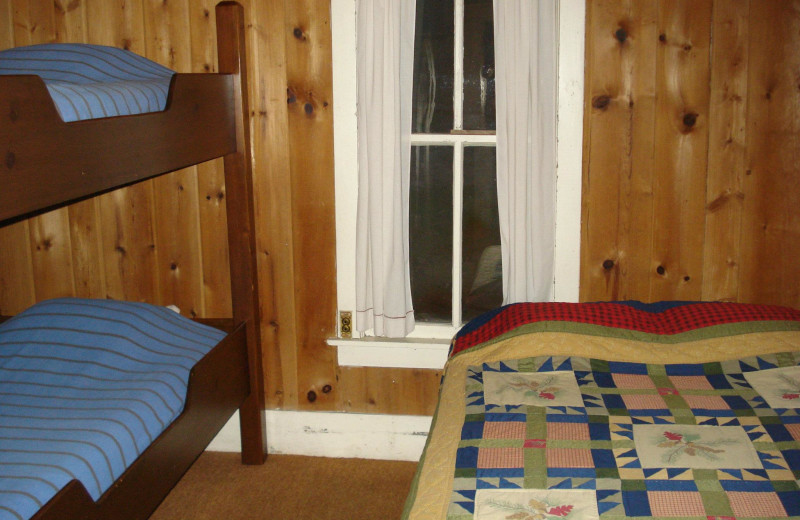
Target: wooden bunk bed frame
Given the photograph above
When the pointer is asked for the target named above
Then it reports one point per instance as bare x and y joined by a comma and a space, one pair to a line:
206, 118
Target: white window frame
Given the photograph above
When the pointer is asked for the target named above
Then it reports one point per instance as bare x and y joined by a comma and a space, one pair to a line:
427, 346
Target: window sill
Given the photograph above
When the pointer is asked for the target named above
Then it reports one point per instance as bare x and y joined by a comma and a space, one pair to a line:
391, 353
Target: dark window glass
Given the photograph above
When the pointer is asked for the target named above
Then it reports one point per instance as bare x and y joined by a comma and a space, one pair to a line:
431, 232
432, 104
478, 65
482, 274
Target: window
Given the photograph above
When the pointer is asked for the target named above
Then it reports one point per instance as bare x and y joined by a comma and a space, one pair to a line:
414, 351
454, 231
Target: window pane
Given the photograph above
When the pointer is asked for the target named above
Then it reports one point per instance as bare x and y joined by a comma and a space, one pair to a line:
433, 68
482, 280
431, 232
478, 65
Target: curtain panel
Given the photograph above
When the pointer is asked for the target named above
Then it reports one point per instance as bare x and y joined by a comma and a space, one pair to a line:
385, 60
525, 39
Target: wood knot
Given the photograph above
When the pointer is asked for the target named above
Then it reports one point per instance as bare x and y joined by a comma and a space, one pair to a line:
45, 245
71, 6
723, 199
11, 160
661, 270
662, 38
311, 396
173, 266
13, 115
290, 96
309, 108
299, 34
327, 389
621, 35
601, 102
608, 265
690, 119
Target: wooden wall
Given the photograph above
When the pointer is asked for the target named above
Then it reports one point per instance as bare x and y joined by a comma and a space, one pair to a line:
163, 241
691, 147
691, 153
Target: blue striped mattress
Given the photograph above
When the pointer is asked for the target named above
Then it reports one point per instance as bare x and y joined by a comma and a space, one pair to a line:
85, 386
92, 81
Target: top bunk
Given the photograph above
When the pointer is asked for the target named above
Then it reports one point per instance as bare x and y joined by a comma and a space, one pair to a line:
51, 156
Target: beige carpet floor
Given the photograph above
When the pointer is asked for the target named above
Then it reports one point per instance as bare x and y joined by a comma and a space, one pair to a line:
289, 487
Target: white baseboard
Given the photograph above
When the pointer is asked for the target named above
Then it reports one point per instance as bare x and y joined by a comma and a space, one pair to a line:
335, 434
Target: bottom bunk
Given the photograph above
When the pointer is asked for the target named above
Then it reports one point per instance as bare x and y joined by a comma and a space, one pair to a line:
106, 404
617, 410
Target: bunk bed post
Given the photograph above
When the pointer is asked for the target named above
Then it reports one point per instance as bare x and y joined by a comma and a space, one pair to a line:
241, 226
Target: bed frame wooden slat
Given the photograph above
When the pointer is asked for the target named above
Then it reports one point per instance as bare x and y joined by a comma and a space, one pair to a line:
96, 155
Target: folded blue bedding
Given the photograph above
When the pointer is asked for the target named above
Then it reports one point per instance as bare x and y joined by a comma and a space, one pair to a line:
92, 81
85, 386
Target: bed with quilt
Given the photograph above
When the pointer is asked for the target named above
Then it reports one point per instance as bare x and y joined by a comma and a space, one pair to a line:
617, 410
105, 404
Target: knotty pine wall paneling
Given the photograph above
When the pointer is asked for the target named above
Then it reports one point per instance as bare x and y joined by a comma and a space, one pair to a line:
616, 231
726, 150
770, 270
167, 41
310, 129
127, 231
273, 187
681, 140
691, 181
210, 179
160, 240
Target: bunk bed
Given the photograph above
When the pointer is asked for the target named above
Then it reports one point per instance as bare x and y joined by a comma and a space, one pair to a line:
617, 410
49, 163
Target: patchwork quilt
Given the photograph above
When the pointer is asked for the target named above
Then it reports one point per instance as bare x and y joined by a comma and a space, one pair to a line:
551, 417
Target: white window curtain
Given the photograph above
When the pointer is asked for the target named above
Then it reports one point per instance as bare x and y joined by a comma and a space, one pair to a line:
525, 39
385, 61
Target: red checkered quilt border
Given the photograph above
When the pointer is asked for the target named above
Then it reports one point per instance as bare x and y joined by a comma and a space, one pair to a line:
673, 320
